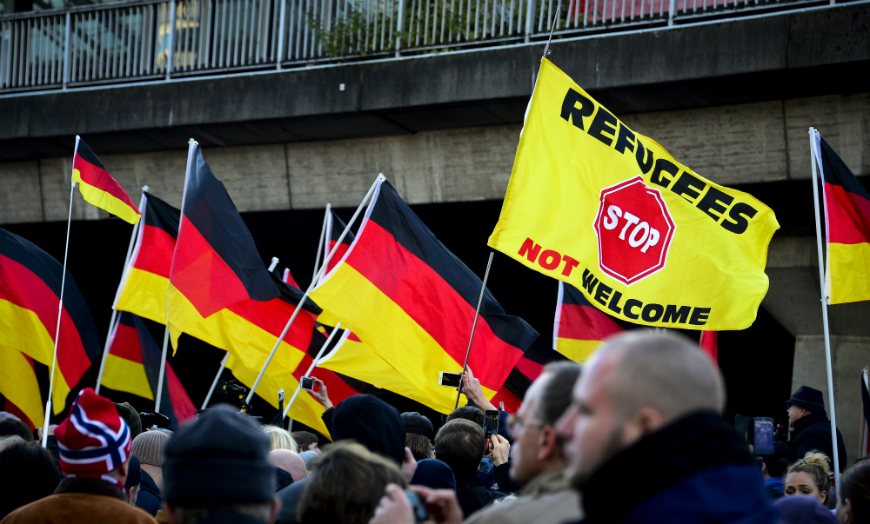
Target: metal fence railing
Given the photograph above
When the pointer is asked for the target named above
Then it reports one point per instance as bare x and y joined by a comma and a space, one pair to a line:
153, 39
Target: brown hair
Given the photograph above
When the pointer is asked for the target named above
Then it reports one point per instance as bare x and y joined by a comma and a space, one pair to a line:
556, 396
460, 444
856, 489
420, 446
303, 439
816, 465
346, 485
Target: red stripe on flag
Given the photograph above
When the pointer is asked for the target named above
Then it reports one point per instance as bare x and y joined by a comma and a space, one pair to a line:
125, 343
338, 388
586, 323
431, 302
154, 254
530, 369
99, 178
24, 288
181, 403
336, 257
272, 316
511, 402
202, 276
848, 216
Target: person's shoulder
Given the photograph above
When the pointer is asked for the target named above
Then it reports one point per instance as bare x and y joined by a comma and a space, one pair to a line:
554, 508
31, 512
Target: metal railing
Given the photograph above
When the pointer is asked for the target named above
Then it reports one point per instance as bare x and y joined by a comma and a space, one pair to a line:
156, 39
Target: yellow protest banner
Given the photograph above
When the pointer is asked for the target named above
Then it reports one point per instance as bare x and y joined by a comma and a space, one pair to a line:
611, 212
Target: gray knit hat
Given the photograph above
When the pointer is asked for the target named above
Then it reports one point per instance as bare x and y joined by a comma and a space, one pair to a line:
149, 446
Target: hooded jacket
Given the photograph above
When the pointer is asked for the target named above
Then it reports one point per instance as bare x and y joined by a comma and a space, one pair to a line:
813, 432
697, 470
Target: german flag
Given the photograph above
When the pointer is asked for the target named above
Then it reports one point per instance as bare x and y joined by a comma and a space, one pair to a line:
847, 228
30, 281
98, 187
412, 302
528, 368
335, 226
133, 366
19, 386
580, 328
143, 286
215, 264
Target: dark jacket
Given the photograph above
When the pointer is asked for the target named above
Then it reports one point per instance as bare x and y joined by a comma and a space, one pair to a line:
81, 500
696, 470
813, 432
149, 495
471, 494
289, 501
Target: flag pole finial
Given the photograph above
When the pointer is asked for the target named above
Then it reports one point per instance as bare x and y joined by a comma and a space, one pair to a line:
145, 189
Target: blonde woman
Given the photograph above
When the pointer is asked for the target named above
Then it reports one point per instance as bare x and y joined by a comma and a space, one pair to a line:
809, 477
281, 438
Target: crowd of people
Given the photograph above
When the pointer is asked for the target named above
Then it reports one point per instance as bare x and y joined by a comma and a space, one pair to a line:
634, 435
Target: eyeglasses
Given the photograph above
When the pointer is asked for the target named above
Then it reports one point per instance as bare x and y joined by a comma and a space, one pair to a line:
515, 423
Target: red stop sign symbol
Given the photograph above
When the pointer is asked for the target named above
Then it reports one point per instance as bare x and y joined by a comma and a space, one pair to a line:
634, 230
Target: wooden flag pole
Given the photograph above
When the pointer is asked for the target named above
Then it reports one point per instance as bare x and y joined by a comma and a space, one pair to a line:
72, 187
813, 160
474, 326
313, 285
312, 366
123, 274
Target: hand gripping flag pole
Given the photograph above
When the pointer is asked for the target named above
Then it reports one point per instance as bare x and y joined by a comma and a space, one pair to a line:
72, 187
474, 326
312, 366
813, 160
312, 286
223, 365
115, 311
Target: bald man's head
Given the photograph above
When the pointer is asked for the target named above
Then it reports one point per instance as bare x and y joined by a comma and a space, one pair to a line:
636, 384
290, 462
663, 371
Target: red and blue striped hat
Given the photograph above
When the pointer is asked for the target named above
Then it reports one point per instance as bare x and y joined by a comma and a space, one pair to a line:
94, 439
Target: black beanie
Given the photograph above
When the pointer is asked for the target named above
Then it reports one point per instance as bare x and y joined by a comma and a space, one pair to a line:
417, 424
373, 423
218, 459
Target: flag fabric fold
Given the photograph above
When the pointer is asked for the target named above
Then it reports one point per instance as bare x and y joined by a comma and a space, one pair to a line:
334, 228
580, 328
19, 386
133, 366
215, 263
146, 278
97, 186
847, 228
646, 239
30, 282
413, 302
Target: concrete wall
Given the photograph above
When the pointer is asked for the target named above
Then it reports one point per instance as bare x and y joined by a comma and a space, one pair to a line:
734, 144
849, 355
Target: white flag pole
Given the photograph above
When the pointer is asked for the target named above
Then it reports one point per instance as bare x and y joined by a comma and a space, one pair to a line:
159, 395
215, 381
72, 187
123, 274
813, 160
312, 286
312, 366
322, 240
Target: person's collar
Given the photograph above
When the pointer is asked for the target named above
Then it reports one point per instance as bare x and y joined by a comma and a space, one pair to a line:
93, 486
808, 420
774, 482
551, 481
659, 460
466, 477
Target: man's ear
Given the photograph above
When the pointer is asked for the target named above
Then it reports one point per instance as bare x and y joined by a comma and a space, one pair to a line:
846, 504
276, 508
548, 444
645, 421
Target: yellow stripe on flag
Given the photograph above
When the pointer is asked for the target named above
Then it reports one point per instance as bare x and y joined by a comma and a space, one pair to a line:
18, 383
305, 409
103, 200
180, 314
144, 294
356, 360
22, 329
125, 375
577, 350
390, 333
848, 275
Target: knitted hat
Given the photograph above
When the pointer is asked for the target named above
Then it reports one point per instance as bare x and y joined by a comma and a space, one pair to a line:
219, 458
131, 417
418, 424
371, 422
808, 398
94, 439
149, 447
